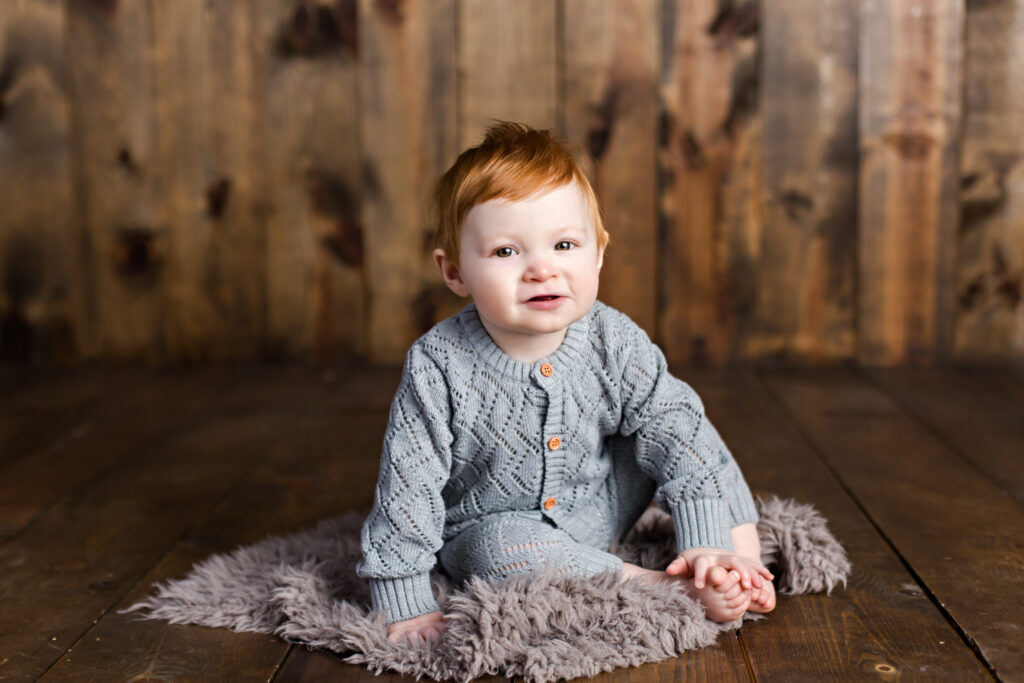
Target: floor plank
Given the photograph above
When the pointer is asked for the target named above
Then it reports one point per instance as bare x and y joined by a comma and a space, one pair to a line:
974, 411
155, 407
956, 529
278, 449
323, 465
53, 412
880, 623
89, 548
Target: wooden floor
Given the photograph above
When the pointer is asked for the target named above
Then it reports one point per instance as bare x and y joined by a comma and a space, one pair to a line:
111, 479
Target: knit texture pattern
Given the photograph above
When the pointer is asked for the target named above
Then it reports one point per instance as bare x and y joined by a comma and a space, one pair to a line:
473, 432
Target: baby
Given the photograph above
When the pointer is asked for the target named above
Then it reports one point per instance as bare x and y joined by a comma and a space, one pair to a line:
532, 429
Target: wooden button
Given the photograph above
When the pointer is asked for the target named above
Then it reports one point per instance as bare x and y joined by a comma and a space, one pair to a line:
549, 503
547, 370
554, 442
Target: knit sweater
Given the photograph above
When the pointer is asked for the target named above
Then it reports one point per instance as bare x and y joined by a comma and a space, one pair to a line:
473, 431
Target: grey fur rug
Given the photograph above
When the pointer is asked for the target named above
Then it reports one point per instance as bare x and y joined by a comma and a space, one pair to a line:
303, 588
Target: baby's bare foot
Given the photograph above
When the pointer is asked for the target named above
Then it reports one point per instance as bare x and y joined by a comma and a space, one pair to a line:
762, 600
723, 597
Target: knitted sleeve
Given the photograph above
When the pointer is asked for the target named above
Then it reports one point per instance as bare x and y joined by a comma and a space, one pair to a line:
404, 528
699, 482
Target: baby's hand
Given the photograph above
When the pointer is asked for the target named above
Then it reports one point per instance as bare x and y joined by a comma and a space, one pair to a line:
696, 562
426, 628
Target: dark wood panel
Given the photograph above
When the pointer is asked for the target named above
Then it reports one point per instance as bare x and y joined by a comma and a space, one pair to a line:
881, 623
611, 72
990, 242
808, 243
974, 411
94, 544
955, 528
39, 264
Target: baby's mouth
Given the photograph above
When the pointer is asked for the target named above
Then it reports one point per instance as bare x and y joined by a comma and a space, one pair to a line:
548, 297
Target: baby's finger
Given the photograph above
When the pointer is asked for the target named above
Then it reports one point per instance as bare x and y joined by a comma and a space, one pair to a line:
700, 571
677, 566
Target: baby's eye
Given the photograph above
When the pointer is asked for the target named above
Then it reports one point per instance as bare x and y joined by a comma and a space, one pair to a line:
564, 245
504, 252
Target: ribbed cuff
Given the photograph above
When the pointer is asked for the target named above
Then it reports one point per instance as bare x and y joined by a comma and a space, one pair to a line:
741, 504
596, 561
403, 598
701, 523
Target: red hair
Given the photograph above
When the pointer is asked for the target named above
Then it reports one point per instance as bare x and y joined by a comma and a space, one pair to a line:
513, 162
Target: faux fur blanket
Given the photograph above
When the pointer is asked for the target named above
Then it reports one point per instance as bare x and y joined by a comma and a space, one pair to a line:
303, 588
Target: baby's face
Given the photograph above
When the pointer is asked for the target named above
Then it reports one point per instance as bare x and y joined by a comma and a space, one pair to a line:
532, 265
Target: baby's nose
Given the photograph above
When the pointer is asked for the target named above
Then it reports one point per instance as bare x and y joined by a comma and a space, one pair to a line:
539, 270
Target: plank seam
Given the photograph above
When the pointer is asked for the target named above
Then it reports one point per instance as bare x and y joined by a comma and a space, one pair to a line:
812, 444
746, 656
922, 422
143, 446
210, 514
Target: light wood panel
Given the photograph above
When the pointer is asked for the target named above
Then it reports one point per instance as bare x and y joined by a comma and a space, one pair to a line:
708, 50
408, 119
507, 65
910, 114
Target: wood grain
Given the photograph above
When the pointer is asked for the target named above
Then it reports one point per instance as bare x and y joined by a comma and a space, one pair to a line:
805, 310
507, 66
121, 236
39, 267
96, 542
306, 202
990, 243
408, 123
708, 53
135, 415
313, 472
910, 112
611, 72
956, 529
974, 411
881, 623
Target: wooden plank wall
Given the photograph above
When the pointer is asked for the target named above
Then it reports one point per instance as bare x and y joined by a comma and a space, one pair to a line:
793, 182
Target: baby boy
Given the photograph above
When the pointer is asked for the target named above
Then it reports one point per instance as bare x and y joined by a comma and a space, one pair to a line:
531, 429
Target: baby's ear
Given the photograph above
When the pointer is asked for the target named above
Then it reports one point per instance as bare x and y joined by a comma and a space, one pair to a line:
451, 273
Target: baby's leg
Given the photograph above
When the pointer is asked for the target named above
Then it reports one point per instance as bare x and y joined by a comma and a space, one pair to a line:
723, 598
504, 545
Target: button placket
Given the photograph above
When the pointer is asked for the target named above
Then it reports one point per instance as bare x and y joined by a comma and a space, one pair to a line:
554, 461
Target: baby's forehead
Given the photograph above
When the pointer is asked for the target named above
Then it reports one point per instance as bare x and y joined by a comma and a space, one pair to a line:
567, 200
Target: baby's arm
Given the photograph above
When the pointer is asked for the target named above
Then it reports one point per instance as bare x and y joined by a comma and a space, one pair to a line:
424, 628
